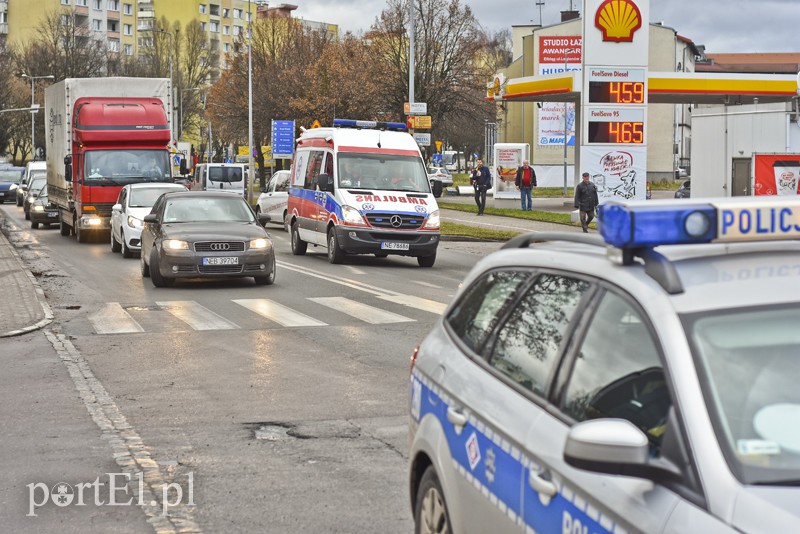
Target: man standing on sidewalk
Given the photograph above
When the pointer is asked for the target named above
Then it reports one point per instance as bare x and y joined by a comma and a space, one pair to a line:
481, 180
586, 201
526, 181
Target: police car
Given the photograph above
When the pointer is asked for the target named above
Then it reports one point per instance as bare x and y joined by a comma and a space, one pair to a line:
644, 380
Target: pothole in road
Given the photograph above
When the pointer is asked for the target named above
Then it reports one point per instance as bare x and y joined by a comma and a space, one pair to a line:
270, 431
275, 431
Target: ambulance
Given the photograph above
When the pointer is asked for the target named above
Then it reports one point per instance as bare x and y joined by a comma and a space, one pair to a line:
361, 187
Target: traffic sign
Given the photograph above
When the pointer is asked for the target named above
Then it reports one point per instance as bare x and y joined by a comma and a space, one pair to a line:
438, 146
415, 108
282, 139
422, 139
316, 124
419, 121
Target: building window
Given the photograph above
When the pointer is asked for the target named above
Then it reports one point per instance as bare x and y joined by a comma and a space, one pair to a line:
225, 12
237, 13
112, 27
226, 30
96, 25
226, 47
127, 29
113, 5
213, 10
64, 2
237, 30
203, 26
113, 45
213, 27
127, 9
66, 20
84, 3
128, 50
96, 4
203, 10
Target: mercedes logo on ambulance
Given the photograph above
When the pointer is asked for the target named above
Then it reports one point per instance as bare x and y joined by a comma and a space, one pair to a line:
396, 221
220, 247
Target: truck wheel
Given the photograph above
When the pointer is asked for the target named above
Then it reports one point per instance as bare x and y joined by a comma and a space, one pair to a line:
426, 261
80, 235
155, 272
335, 252
115, 247
298, 245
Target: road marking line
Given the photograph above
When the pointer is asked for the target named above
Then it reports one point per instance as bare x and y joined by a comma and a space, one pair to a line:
416, 302
426, 284
361, 311
278, 312
197, 316
112, 319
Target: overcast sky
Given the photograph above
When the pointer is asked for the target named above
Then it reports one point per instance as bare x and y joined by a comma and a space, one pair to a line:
723, 26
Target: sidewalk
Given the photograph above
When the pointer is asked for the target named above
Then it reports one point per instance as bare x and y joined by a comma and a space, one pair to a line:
24, 308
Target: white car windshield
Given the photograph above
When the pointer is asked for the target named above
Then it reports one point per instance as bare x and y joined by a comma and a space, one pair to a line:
383, 173
749, 362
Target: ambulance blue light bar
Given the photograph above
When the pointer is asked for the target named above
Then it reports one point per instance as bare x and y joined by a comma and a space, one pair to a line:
638, 224
374, 125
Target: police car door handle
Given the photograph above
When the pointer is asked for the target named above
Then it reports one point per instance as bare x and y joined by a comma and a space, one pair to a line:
457, 418
541, 483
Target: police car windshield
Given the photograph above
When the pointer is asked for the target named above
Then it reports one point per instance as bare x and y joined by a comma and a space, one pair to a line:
749, 363
383, 172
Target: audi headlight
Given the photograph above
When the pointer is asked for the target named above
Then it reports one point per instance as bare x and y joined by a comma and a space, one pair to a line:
433, 221
258, 244
38, 207
176, 244
133, 222
352, 216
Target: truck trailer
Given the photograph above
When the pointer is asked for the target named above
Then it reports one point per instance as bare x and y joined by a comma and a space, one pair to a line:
102, 134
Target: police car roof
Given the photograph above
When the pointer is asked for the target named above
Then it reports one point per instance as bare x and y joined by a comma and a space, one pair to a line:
712, 276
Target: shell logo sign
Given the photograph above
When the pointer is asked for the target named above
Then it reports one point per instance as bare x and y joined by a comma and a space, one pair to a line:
618, 20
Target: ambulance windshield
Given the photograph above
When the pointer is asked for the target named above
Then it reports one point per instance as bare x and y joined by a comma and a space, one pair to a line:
382, 172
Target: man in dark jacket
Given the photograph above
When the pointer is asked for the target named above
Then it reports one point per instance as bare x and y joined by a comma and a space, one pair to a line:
525, 182
586, 201
481, 180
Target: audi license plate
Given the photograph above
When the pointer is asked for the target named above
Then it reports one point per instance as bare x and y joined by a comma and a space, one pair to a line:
394, 246
225, 260
52, 214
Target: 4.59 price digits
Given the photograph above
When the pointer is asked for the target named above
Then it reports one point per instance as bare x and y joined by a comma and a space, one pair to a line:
626, 92
626, 132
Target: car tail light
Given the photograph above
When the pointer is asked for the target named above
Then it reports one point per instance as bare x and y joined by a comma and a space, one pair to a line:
413, 359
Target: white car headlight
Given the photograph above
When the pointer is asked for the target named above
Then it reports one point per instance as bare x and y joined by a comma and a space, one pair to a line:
352, 216
433, 221
176, 244
258, 244
133, 222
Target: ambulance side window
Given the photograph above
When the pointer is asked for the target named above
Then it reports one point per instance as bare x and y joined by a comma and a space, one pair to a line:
313, 170
329, 165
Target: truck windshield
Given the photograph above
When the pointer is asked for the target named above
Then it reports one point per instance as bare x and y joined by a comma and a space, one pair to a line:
383, 172
118, 167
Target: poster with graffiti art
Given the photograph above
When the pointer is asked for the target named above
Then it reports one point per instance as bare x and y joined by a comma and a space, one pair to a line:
618, 174
777, 174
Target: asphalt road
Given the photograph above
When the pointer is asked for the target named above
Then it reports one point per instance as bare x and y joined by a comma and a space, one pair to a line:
275, 409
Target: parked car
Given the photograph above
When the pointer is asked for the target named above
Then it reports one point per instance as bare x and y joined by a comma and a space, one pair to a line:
34, 187
440, 175
681, 172
32, 170
275, 200
684, 190
134, 202
9, 182
43, 211
204, 234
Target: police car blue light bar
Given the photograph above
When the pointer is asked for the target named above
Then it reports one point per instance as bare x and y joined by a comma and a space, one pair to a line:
638, 224
352, 123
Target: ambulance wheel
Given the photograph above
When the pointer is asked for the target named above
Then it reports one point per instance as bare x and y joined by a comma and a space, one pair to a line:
298, 245
64, 228
426, 261
430, 512
381, 255
335, 252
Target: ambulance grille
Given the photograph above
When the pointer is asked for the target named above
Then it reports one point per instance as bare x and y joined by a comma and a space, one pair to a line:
395, 221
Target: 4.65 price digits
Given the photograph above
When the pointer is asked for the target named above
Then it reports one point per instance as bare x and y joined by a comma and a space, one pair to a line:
626, 132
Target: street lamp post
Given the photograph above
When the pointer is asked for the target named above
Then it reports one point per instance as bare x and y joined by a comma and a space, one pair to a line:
566, 53
171, 89
34, 109
250, 166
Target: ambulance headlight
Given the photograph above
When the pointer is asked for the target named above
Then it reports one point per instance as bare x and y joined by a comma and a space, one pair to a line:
433, 222
352, 216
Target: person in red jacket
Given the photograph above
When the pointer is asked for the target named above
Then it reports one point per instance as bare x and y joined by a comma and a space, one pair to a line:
526, 181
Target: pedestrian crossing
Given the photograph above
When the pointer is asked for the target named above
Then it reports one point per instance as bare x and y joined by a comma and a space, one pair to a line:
114, 318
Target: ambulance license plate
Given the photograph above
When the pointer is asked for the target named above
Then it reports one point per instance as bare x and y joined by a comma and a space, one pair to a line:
393, 246
225, 260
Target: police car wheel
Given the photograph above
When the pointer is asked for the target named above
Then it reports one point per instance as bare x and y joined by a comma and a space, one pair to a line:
430, 513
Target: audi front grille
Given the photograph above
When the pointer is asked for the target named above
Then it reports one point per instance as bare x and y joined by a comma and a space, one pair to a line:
219, 246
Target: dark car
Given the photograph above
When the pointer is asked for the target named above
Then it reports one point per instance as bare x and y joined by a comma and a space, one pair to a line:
204, 234
9, 181
43, 211
685, 190
34, 187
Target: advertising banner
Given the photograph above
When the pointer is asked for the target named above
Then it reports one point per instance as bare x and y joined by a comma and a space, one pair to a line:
558, 53
776, 174
507, 159
619, 173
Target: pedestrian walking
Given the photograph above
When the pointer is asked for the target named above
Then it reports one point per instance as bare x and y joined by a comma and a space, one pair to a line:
586, 201
481, 180
525, 182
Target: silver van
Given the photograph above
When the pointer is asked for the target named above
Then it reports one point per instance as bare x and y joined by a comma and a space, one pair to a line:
220, 176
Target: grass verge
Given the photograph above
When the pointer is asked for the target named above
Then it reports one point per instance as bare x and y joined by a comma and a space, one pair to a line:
475, 232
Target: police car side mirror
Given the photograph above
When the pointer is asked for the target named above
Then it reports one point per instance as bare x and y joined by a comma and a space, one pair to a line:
615, 447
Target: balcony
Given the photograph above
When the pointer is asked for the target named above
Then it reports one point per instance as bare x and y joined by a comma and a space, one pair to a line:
112, 15
82, 11
147, 14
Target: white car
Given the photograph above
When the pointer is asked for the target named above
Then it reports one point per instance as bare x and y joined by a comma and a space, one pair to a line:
134, 202
275, 199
